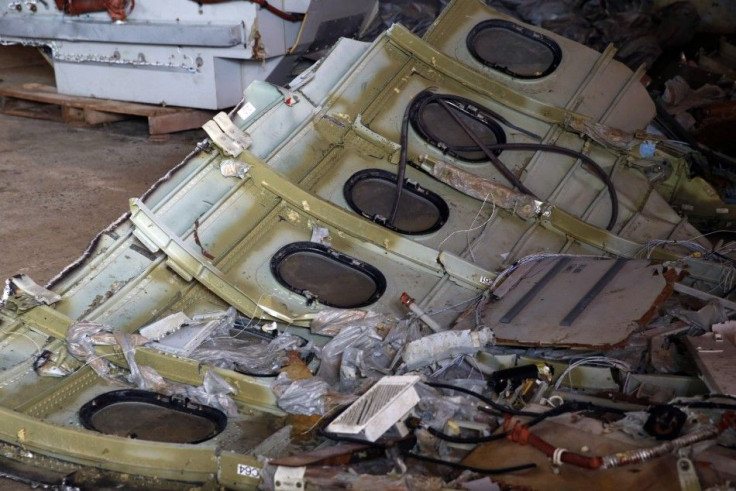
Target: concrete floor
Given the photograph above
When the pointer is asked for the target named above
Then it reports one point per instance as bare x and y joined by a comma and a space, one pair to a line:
60, 185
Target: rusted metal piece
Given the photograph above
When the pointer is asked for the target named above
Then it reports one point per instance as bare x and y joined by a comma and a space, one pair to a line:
672, 277
640, 455
117, 9
197, 241
341, 454
720, 111
483, 189
521, 434
603, 134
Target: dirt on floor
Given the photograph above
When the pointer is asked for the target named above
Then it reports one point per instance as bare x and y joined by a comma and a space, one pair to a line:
60, 185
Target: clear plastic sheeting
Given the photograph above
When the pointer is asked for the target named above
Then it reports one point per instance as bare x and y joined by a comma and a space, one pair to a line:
356, 337
188, 337
379, 361
259, 358
435, 409
443, 345
329, 322
213, 392
82, 337
306, 396
143, 377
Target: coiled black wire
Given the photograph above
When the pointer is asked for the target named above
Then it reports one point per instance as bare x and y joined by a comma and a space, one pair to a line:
536, 417
488, 150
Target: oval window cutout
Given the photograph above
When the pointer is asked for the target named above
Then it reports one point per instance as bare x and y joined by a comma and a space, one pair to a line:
320, 273
371, 193
513, 49
144, 415
430, 118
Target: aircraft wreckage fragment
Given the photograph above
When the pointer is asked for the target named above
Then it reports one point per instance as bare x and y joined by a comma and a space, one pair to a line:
459, 245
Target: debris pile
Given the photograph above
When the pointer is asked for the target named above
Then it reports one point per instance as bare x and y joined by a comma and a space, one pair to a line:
427, 263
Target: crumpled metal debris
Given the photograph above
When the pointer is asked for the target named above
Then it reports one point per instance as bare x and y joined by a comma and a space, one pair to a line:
188, 336
21, 293
639, 29
679, 99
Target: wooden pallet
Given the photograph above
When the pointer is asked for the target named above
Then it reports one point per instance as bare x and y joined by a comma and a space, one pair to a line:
44, 102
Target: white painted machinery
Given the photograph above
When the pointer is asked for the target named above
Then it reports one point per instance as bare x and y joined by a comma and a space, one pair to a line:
177, 52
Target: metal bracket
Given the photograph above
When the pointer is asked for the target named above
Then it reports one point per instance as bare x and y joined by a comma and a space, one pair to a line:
686, 472
326, 213
228, 137
238, 136
391, 148
289, 478
192, 265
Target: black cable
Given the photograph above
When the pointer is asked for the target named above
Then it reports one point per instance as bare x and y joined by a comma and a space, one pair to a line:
402, 165
571, 153
348, 439
564, 408
460, 439
536, 417
510, 176
481, 397
479, 470
488, 150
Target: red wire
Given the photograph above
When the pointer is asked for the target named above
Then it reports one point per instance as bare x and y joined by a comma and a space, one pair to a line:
118, 9
263, 3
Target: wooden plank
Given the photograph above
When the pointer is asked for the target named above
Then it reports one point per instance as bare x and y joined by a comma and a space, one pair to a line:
94, 117
16, 107
49, 95
179, 121
33, 100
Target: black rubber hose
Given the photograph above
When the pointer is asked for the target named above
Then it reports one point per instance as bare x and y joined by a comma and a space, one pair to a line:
562, 409
481, 397
510, 176
479, 470
402, 165
488, 150
571, 153
470, 439
341, 438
